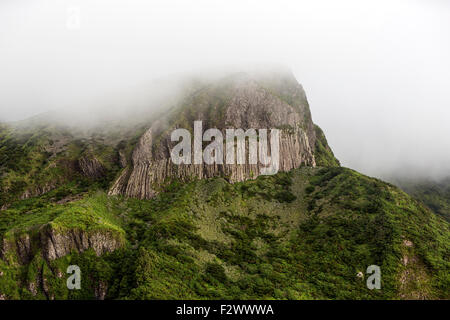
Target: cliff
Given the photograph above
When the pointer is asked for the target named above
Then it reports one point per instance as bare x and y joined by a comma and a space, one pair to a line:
240, 101
57, 230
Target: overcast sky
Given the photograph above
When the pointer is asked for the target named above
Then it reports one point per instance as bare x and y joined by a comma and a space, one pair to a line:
376, 73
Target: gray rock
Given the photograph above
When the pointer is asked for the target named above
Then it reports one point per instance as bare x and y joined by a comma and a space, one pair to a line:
91, 167
238, 102
56, 244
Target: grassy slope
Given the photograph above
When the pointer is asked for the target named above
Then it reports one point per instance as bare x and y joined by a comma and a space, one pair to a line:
323, 153
436, 195
90, 214
42, 157
297, 235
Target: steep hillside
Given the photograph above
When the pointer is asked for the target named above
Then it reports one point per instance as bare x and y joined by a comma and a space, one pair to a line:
109, 200
302, 234
41, 154
240, 101
434, 194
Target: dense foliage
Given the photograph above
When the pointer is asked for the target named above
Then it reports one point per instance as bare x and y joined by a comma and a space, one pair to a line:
299, 235
323, 153
434, 194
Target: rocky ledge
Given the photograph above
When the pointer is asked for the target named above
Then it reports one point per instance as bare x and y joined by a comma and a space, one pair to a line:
53, 244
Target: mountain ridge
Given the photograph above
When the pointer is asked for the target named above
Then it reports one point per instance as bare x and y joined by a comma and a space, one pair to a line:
307, 232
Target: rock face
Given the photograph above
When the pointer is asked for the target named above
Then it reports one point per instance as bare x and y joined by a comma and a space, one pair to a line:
37, 191
53, 244
91, 167
22, 246
56, 245
241, 101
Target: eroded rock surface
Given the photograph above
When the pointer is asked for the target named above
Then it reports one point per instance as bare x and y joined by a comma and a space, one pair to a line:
53, 244
238, 102
91, 167
56, 245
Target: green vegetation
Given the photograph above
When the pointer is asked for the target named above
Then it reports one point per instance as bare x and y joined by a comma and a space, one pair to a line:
303, 234
298, 235
323, 153
434, 194
33, 162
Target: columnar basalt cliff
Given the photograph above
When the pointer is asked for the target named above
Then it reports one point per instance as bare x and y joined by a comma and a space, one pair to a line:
274, 101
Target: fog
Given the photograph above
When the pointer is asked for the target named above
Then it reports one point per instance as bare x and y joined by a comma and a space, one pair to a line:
376, 73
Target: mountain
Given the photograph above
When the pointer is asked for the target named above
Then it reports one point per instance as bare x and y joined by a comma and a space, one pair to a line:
107, 198
237, 101
434, 194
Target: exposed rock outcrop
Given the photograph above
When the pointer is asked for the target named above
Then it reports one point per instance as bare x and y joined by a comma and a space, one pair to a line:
100, 290
68, 169
91, 167
37, 191
21, 246
122, 159
53, 244
58, 244
414, 277
238, 102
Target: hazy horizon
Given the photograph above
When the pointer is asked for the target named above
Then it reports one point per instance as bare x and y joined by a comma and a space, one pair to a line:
375, 72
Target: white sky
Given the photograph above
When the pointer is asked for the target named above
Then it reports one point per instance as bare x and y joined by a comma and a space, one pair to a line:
376, 73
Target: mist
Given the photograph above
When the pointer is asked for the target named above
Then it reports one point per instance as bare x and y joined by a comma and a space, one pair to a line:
376, 73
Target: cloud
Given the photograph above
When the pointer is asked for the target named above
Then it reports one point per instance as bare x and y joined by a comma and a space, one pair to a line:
376, 73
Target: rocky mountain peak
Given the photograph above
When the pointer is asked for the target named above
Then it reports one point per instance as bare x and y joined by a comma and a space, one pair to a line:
238, 101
